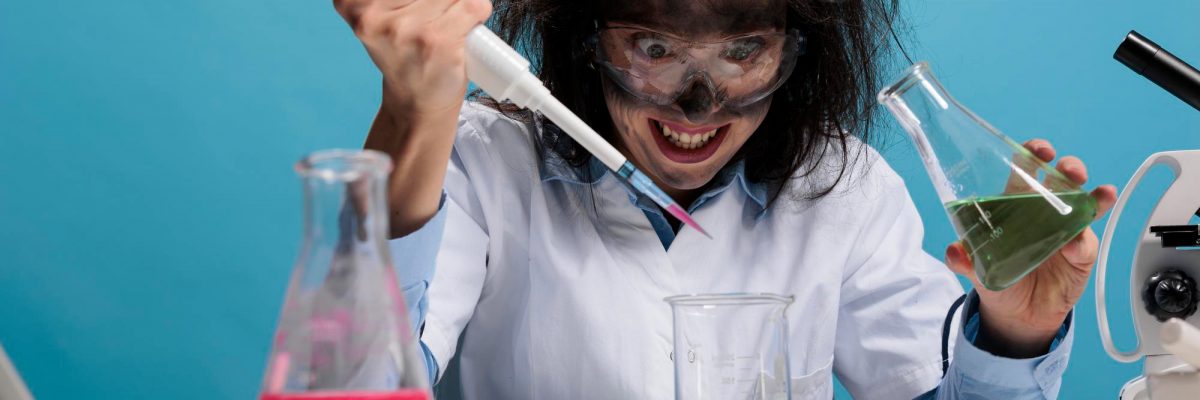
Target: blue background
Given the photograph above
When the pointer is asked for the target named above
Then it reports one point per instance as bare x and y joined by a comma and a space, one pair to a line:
149, 214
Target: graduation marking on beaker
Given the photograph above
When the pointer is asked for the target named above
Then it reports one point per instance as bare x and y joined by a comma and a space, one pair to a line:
985, 217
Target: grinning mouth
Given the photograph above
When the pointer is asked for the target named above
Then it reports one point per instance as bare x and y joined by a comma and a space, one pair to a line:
685, 144
686, 138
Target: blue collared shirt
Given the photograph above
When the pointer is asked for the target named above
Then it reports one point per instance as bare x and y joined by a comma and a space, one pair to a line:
733, 175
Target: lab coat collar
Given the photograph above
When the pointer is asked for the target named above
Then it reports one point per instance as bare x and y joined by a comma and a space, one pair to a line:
554, 168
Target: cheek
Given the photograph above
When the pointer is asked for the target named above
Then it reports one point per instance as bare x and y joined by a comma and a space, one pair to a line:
625, 113
749, 119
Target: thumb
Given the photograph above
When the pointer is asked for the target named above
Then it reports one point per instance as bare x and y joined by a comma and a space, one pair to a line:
958, 260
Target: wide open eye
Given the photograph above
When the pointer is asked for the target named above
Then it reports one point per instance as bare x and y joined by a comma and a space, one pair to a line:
653, 47
742, 49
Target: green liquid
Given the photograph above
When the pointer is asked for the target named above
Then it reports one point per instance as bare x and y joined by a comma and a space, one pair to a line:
1010, 235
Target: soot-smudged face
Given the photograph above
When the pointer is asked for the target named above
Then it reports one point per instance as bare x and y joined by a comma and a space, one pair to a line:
683, 145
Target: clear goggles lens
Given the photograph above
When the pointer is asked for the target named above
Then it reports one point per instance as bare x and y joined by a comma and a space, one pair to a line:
659, 68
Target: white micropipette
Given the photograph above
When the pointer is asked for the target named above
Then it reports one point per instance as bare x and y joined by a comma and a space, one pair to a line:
501, 72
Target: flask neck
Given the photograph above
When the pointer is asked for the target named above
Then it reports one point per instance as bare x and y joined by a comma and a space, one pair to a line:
343, 215
917, 92
345, 203
936, 123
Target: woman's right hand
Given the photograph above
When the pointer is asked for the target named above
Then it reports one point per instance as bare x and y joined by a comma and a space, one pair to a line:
418, 45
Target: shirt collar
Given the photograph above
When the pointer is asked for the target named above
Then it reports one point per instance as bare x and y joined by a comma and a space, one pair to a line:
554, 168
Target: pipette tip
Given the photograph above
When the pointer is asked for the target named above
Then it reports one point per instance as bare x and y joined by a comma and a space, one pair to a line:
643, 184
678, 212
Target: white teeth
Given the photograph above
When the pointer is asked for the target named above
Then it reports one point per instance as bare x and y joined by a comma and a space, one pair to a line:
686, 140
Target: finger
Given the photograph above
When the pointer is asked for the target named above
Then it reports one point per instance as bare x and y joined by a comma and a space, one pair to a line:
350, 10
424, 11
460, 18
353, 9
1080, 252
394, 4
1106, 196
1041, 148
957, 259
374, 17
1073, 168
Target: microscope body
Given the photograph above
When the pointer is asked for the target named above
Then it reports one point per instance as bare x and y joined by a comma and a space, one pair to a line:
1163, 280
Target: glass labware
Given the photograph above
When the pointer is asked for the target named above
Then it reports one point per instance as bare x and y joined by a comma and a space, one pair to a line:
1011, 210
731, 346
343, 333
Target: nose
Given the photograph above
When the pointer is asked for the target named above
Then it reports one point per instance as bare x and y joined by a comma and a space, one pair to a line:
697, 101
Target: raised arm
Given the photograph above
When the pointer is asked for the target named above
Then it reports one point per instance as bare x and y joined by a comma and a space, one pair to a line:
418, 46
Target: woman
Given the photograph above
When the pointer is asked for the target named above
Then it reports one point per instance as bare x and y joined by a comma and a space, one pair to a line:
753, 114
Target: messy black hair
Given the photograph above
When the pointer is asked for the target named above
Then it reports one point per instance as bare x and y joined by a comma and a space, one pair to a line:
829, 96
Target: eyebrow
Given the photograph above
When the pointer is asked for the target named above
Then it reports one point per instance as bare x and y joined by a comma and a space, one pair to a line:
655, 15
677, 34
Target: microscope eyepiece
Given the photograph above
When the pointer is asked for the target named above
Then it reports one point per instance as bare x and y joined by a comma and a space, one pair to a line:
1135, 50
1161, 67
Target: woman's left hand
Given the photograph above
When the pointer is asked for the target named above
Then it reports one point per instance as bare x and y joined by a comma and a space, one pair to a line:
1022, 321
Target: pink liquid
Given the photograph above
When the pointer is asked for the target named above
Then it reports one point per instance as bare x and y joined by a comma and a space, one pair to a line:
404, 394
683, 216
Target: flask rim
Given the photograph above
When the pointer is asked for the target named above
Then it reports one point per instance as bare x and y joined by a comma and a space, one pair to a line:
911, 75
727, 299
343, 164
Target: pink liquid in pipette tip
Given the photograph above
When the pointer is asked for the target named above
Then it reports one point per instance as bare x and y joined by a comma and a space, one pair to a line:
683, 216
405, 394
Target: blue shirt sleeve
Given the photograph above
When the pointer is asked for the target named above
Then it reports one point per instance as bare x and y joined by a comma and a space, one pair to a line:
418, 305
414, 258
977, 374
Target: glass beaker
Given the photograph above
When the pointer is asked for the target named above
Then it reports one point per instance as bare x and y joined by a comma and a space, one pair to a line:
1011, 210
731, 346
343, 332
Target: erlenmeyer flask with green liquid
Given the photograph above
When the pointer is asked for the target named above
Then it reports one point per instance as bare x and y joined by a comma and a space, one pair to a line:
1011, 210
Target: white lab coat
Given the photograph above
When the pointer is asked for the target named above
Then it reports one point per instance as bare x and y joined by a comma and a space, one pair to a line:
562, 284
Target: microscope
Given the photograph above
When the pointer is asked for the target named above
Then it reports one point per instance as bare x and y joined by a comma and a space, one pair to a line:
1166, 264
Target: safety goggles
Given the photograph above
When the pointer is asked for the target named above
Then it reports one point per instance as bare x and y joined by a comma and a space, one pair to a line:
658, 68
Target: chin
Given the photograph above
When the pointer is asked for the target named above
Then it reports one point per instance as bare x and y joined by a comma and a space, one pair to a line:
685, 177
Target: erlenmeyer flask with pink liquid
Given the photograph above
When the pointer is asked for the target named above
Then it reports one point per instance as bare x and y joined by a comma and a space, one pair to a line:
343, 333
